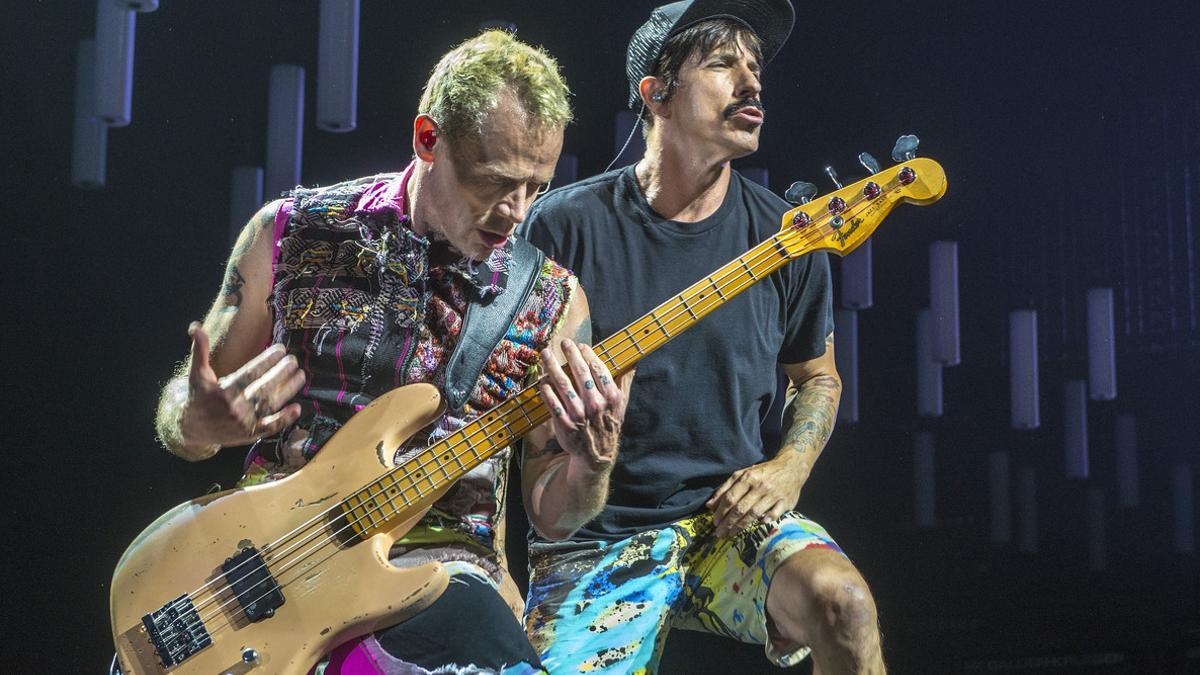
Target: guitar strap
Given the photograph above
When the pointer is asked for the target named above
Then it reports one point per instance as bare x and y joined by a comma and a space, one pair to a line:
486, 323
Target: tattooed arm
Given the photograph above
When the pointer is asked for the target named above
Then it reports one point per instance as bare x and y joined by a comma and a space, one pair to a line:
229, 391
567, 461
766, 491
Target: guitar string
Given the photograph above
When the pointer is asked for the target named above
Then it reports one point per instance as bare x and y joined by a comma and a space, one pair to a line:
675, 303
269, 547
768, 247
756, 259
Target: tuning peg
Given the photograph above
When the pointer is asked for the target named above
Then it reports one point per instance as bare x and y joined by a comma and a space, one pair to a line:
833, 176
906, 148
800, 192
870, 163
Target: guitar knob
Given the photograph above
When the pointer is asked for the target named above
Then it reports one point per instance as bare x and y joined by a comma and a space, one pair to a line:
906, 148
833, 176
869, 163
800, 192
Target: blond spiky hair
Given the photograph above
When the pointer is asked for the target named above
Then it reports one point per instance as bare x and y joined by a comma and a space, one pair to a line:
466, 84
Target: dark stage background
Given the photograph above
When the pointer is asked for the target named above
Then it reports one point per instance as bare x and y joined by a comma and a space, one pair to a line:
1067, 130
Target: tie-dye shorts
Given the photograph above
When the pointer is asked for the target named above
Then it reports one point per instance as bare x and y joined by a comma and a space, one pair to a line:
607, 608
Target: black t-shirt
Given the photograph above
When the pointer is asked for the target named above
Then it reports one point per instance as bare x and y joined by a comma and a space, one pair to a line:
698, 402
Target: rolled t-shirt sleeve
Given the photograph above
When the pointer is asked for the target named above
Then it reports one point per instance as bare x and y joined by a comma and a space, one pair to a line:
809, 309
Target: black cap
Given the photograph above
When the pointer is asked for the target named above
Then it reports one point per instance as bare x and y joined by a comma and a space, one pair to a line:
770, 20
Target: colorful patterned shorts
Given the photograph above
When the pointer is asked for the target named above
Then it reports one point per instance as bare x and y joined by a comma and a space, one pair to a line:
608, 608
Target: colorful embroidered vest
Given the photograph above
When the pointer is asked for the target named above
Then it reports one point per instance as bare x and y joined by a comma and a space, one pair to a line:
367, 305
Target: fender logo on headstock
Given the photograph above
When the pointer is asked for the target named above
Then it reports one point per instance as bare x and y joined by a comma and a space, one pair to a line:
840, 235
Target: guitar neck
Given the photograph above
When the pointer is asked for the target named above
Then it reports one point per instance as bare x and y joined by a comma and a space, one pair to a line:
848, 217
622, 350
421, 479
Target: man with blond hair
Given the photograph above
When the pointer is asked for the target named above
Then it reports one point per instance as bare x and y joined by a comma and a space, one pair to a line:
364, 286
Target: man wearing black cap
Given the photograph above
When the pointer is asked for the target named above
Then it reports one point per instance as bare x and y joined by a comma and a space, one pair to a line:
698, 531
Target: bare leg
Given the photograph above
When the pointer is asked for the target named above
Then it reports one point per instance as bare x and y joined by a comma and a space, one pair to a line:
817, 598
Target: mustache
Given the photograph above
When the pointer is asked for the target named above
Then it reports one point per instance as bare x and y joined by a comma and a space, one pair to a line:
744, 103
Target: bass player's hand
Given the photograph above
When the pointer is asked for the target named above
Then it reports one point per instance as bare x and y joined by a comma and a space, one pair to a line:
586, 420
243, 406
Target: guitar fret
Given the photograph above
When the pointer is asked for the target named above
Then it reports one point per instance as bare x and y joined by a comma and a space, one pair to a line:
688, 308
748, 270
634, 341
660, 325
783, 252
713, 282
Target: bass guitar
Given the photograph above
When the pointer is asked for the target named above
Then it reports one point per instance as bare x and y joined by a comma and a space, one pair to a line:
267, 578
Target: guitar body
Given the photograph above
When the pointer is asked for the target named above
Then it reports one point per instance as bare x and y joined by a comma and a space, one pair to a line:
334, 587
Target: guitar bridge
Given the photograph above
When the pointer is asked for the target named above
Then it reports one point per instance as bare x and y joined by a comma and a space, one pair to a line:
176, 631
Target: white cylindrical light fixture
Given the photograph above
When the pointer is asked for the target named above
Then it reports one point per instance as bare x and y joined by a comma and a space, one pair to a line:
140, 6
1075, 432
1102, 353
337, 66
929, 370
285, 129
1097, 531
924, 489
1027, 511
845, 354
856, 278
627, 136
1183, 504
757, 174
89, 145
943, 301
1000, 495
1127, 461
114, 63
1025, 395
566, 171
245, 197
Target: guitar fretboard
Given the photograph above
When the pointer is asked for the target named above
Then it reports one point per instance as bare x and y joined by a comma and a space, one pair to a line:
377, 506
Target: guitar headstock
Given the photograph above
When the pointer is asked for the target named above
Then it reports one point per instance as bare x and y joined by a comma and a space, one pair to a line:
838, 222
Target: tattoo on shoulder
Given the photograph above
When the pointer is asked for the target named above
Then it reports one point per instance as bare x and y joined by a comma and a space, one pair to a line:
232, 287
584, 333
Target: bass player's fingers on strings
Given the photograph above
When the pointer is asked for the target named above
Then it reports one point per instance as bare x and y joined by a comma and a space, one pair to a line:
558, 393
608, 388
594, 402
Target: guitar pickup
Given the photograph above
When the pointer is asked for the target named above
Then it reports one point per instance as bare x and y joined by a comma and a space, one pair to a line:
253, 585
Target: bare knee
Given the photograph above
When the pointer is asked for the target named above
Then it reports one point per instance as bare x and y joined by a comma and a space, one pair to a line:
841, 602
819, 598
